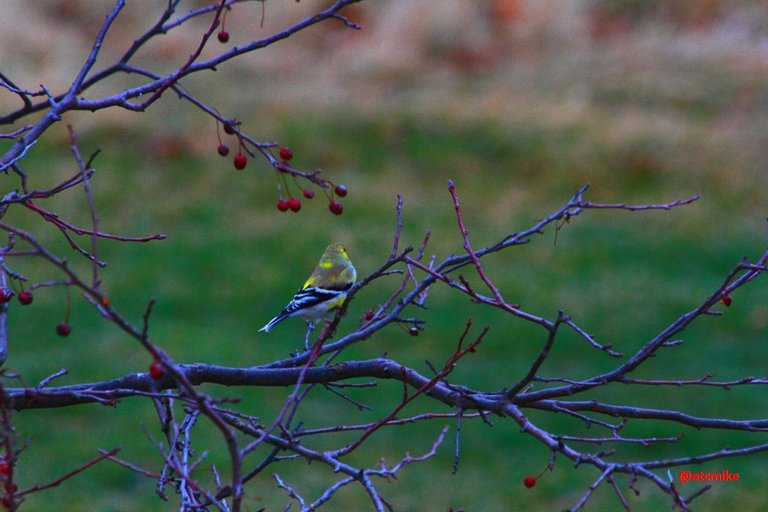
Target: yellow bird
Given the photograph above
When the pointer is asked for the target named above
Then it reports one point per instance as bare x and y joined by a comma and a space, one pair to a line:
325, 289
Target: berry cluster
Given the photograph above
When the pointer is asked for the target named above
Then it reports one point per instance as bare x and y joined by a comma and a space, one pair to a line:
287, 201
292, 202
230, 128
25, 298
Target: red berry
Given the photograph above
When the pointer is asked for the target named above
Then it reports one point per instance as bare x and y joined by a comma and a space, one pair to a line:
4, 468
294, 204
5, 295
223, 36
229, 127
529, 481
335, 207
341, 190
283, 205
286, 153
223, 149
727, 301
413, 331
25, 297
156, 370
309, 193
240, 161
369, 315
63, 329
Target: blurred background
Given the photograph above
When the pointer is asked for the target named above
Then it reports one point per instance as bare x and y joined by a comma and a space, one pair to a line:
521, 102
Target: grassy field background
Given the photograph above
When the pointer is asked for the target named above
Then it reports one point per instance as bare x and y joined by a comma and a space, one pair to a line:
652, 113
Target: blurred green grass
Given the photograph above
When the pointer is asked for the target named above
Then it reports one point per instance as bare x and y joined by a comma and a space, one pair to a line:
232, 260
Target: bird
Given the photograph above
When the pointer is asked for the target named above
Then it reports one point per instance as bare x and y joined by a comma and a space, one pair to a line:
325, 290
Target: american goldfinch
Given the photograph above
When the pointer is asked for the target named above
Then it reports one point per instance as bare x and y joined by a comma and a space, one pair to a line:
325, 289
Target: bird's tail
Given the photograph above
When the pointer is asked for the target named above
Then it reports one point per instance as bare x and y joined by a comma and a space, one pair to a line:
279, 318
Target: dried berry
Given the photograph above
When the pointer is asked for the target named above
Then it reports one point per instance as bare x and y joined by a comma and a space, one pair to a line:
25, 297
156, 370
335, 207
63, 329
240, 161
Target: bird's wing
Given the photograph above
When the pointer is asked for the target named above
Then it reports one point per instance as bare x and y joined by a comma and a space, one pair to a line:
308, 298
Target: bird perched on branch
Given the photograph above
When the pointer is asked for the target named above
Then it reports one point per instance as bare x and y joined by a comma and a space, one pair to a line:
325, 289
